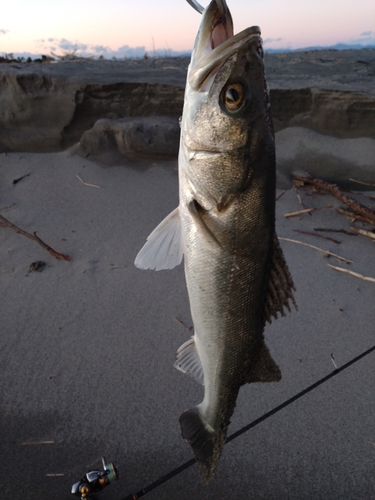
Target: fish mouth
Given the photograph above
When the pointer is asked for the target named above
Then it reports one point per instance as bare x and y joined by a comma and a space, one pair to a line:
215, 42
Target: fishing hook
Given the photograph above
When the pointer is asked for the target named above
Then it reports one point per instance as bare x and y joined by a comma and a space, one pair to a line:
198, 7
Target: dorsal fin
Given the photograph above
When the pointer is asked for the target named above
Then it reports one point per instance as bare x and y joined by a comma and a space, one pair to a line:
280, 285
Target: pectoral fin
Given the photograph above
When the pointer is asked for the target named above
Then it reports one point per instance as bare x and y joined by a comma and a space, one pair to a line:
163, 249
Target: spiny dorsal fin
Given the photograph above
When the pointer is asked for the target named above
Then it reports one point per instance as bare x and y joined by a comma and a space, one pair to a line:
280, 285
188, 361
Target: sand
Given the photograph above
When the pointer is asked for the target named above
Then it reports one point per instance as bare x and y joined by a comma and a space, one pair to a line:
49, 107
87, 347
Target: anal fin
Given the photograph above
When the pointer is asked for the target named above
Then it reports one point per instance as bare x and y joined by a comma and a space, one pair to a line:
188, 361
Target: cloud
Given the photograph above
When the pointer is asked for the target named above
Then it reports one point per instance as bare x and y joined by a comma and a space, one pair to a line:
367, 38
4, 32
121, 52
61, 46
273, 40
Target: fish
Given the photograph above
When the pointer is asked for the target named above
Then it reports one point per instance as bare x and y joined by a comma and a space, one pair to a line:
224, 227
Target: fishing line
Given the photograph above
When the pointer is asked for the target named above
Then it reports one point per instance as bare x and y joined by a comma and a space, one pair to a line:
163, 479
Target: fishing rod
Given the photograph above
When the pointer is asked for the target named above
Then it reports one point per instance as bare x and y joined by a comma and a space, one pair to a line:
94, 481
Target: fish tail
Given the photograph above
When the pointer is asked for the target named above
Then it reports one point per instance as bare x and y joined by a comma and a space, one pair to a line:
207, 443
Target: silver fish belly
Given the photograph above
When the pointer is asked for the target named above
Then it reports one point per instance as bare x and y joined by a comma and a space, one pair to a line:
236, 275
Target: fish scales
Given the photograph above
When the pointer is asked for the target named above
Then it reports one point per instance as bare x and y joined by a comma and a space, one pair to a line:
236, 275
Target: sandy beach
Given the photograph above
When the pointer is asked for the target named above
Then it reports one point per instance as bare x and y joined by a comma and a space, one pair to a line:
88, 345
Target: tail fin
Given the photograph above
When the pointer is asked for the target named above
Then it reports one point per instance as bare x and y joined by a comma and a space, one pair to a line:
206, 443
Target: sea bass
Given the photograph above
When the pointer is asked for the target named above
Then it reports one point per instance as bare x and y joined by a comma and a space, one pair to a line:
224, 227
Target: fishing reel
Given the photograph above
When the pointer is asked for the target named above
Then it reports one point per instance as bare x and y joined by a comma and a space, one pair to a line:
95, 480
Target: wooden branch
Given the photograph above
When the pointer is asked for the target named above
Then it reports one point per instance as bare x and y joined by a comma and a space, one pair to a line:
326, 252
357, 275
353, 216
298, 196
182, 324
360, 193
325, 229
280, 195
369, 234
357, 207
300, 212
360, 182
86, 183
318, 236
37, 239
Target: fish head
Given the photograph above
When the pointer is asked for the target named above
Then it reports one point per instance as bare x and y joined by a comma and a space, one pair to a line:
226, 119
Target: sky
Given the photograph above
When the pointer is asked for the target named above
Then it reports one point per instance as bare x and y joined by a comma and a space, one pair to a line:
126, 28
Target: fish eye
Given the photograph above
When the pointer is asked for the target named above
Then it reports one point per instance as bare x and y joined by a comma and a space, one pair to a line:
234, 97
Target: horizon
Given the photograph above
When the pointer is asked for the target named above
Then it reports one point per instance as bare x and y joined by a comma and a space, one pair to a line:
159, 53
118, 29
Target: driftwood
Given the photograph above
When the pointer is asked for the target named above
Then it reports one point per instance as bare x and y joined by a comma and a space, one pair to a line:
357, 207
357, 275
300, 212
182, 324
36, 238
86, 183
318, 236
296, 185
360, 182
326, 252
353, 216
360, 193
369, 234
328, 230
280, 195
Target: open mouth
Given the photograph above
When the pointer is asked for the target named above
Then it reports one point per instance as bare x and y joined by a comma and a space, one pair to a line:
215, 42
